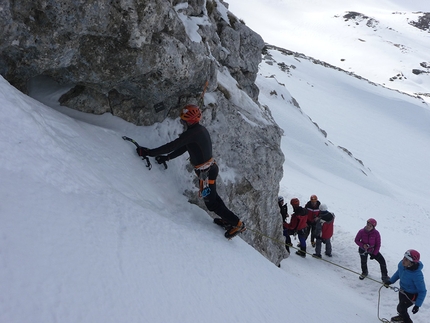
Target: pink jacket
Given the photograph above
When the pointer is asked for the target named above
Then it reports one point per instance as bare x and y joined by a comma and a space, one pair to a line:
371, 238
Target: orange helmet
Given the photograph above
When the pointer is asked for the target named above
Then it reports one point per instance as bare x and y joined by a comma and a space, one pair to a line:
191, 114
295, 201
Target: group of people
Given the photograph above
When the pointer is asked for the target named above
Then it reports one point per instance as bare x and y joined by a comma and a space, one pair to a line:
316, 221
409, 271
313, 220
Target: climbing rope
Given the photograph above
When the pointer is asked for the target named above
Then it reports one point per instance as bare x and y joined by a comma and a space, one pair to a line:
379, 301
395, 289
328, 261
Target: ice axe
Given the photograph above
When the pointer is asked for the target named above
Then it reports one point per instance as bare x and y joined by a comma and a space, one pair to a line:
145, 158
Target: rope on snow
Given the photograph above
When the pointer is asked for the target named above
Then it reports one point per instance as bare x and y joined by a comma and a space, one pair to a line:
395, 289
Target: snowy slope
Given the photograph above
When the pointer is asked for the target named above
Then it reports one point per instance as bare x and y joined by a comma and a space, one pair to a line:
380, 47
89, 234
382, 128
94, 236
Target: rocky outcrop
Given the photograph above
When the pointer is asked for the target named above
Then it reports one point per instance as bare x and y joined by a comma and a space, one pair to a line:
131, 58
141, 60
423, 21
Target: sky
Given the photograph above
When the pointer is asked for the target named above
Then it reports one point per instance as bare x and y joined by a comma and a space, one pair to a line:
89, 234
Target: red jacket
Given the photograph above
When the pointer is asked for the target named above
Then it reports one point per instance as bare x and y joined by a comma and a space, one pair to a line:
324, 225
327, 227
312, 210
298, 220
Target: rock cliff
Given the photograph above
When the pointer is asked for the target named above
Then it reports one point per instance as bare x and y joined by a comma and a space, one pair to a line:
142, 60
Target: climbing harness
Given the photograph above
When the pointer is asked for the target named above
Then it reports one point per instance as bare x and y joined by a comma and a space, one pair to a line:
202, 172
205, 165
204, 181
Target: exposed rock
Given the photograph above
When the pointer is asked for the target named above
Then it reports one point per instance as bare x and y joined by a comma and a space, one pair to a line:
253, 153
423, 22
418, 72
141, 60
353, 15
359, 17
136, 52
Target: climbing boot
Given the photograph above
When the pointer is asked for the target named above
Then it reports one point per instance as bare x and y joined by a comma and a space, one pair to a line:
235, 230
222, 223
301, 253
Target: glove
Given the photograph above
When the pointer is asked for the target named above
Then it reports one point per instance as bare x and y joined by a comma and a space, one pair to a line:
372, 256
162, 159
142, 151
387, 283
415, 309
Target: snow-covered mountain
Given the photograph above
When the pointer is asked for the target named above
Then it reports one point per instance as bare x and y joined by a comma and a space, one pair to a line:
89, 234
386, 41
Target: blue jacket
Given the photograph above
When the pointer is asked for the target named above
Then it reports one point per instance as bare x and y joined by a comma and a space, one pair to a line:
411, 281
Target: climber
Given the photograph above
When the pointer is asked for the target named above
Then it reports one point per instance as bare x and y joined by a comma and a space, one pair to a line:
197, 141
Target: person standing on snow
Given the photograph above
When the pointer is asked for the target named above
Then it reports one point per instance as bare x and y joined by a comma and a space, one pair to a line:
312, 209
368, 240
297, 226
412, 286
197, 142
283, 209
323, 231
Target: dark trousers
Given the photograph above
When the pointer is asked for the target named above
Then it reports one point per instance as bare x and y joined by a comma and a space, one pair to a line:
379, 258
311, 230
319, 243
214, 202
405, 301
302, 238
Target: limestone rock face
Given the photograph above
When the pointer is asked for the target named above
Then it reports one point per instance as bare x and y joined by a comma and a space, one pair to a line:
143, 59
247, 141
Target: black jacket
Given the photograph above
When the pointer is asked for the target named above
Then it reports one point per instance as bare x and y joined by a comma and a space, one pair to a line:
283, 209
196, 140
